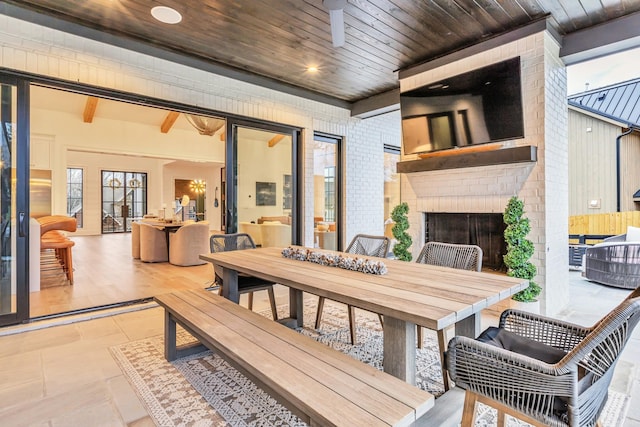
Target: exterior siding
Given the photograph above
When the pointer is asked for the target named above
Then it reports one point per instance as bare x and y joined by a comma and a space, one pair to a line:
592, 165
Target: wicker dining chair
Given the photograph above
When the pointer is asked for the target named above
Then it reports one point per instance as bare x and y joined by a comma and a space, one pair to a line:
361, 244
462, 257
510, 374
246, 284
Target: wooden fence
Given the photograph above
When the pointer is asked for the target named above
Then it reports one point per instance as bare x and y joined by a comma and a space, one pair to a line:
604, 224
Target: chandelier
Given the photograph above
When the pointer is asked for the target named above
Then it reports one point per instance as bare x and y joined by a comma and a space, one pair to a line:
205, 125
198, 186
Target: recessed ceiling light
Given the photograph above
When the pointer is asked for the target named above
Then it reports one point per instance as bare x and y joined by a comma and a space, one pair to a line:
312, 69
166, 14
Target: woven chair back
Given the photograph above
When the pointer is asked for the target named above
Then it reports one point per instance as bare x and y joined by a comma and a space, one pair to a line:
363, 244
600, 351
463, 257
226, 243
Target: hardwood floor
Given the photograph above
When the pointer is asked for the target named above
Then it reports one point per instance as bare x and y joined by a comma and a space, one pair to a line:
105, 273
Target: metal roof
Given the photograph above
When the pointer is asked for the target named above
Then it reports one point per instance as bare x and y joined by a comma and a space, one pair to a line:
620, 102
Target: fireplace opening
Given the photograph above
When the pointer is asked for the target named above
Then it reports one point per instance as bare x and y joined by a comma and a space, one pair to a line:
483, 229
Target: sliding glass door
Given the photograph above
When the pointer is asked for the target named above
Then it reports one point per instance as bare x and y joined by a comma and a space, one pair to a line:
14, 202
326, 191
262, 200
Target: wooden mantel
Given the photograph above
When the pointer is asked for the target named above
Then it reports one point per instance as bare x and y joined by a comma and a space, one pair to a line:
460, 159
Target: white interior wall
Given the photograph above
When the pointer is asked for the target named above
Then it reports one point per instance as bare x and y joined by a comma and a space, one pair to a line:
257, 162
209, 173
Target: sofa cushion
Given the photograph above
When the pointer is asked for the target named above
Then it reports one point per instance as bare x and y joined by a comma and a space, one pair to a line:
633, 234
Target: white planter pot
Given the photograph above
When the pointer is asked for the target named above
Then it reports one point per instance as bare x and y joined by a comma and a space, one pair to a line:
529, 307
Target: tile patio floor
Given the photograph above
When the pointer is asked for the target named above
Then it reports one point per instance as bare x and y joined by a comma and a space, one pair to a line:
64, 375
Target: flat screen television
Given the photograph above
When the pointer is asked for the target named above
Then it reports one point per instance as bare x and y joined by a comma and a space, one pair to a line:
477, 107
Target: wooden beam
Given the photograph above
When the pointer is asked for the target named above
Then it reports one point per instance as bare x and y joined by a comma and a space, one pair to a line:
90, 109
168, 122
273, 141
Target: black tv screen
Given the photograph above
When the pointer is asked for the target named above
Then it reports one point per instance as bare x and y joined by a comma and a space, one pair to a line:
477, 107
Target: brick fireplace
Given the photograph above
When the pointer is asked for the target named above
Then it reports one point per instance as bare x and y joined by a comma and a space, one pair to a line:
461, 187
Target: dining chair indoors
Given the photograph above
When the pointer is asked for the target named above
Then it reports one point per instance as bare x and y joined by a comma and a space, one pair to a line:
543, 371
462, 257
361, 244
246, 284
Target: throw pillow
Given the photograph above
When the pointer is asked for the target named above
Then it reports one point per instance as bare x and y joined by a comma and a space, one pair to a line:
633, 234
518, 344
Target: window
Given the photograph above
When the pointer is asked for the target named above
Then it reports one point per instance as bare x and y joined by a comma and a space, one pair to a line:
329, 193
75, 177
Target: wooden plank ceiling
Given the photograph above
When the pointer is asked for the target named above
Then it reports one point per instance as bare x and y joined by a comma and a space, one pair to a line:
279, 39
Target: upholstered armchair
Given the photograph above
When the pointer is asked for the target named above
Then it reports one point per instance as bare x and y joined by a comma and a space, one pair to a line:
153, 244
135, 240
252, 229
188, 242
275, 234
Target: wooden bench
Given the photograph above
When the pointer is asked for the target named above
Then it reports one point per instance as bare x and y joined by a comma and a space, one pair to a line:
320, 385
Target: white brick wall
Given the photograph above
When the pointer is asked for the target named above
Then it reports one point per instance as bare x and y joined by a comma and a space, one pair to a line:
556, 179
543, 186
36, 49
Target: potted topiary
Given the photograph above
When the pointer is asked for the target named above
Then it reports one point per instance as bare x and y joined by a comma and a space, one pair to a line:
519, 250
399, 230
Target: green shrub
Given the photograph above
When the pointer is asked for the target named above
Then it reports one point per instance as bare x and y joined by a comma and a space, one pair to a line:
399, 230
519, 249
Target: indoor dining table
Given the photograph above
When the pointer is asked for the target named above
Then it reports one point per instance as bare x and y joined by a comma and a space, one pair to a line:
409, 294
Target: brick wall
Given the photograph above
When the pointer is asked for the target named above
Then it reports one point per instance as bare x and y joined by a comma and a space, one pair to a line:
543, 186
32, 48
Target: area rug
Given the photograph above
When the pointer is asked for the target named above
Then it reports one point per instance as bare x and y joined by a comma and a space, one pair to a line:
203, 390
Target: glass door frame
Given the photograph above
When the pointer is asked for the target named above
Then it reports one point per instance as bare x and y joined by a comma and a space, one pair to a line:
339, 220
231, 163
21, 197
126, 186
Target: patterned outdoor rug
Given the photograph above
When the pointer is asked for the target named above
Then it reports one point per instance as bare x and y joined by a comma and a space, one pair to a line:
203, 390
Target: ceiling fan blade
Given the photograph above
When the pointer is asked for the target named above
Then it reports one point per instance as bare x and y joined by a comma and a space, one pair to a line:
336, 16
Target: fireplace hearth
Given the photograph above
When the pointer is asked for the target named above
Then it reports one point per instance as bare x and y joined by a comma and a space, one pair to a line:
483, 229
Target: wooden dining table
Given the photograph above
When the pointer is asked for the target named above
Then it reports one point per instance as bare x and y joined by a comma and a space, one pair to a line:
409, 294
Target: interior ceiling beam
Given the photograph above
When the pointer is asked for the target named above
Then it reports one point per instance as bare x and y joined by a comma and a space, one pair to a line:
273, 141
604, 39
169, 121
90, 109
